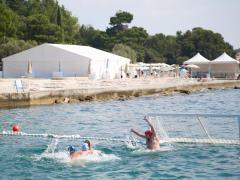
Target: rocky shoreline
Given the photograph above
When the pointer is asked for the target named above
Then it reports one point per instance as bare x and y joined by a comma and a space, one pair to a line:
104, 90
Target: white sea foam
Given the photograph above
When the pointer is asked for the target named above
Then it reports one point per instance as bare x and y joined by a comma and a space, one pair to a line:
148, 151
63, 157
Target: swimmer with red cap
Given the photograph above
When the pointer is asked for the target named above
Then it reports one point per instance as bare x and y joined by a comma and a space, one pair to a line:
152, 140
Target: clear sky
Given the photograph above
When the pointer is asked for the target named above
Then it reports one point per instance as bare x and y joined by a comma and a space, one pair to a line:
164, 16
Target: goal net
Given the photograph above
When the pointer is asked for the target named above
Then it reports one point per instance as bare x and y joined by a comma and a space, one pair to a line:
197, 128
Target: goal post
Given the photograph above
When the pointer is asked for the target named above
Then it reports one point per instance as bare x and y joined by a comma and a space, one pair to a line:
197, 128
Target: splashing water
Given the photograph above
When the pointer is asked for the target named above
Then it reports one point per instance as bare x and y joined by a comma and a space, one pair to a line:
131, 142
142, 151
18, 155
161, 130
63, 156
52, 146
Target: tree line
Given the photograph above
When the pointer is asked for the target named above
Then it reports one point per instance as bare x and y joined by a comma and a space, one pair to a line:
27, 23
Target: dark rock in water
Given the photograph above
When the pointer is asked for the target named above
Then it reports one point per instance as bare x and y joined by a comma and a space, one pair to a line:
57, 101
81, 98
89, 98
236, 87
122, 98
184, 91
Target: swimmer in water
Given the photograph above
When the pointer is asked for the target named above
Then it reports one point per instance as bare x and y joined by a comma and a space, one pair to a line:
86, 148
152, 140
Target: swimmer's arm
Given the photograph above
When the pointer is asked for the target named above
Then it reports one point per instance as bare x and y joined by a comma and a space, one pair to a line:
138, 134
76, 154
151, 126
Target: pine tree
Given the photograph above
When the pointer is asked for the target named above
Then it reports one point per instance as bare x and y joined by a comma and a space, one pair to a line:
59, 17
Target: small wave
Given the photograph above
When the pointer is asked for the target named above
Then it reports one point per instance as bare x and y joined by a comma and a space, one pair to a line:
63, 157
95, 157
148, 151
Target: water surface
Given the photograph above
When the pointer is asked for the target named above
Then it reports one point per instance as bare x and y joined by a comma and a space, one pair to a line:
31, 158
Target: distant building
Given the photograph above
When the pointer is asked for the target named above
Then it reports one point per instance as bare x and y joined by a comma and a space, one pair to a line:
50, 60
224, 67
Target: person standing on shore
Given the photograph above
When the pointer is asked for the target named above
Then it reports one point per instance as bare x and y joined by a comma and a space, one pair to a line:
152, 140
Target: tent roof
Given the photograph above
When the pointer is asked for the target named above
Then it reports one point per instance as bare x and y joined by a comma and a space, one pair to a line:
87, 51
197, 59
225, 59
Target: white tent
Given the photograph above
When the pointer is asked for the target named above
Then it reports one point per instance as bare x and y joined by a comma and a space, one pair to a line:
71, 60
225, 66
197, 59
202, 63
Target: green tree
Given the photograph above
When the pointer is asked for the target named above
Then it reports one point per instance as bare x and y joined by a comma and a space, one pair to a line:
120, 18
70, 27
18, 6
181, 59
41, 30
161, 48
34, 7
153, 56
206, 42
186, 44
125, 51
172, 50
13, 46
92, 37
59, 17
135, 38
119, 22
50, 9
9, 23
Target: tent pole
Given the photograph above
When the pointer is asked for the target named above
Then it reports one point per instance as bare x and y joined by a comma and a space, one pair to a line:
209, 69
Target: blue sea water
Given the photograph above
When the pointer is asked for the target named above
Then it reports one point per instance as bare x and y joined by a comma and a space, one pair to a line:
33, 158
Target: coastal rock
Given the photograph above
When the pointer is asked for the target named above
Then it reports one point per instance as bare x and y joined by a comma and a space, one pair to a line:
74, 91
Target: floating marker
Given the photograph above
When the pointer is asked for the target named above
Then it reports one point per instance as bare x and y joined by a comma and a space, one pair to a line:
15, 128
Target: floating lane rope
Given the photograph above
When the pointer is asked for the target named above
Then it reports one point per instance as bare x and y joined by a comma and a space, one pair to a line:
77, 136
167, 140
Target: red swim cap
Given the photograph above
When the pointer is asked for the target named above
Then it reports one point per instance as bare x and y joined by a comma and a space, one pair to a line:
148, 133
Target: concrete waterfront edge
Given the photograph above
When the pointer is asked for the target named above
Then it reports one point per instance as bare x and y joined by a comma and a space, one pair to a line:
14, 100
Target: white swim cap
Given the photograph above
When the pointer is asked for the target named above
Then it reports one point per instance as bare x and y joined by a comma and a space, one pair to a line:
85, 147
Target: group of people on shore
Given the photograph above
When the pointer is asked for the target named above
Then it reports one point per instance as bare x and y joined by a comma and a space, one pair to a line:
150, 135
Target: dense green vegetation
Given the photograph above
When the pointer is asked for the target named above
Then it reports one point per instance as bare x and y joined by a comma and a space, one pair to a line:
27, 23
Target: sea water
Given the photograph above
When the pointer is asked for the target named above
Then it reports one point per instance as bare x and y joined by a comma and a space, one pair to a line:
39, 158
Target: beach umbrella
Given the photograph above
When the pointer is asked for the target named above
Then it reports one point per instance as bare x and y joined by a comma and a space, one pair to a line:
192, 66
89, 67
59, 66
121, 71
107, 65
126, 69
29, 69
150, 68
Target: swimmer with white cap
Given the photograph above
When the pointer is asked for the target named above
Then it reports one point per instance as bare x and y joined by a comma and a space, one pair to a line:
86, 148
